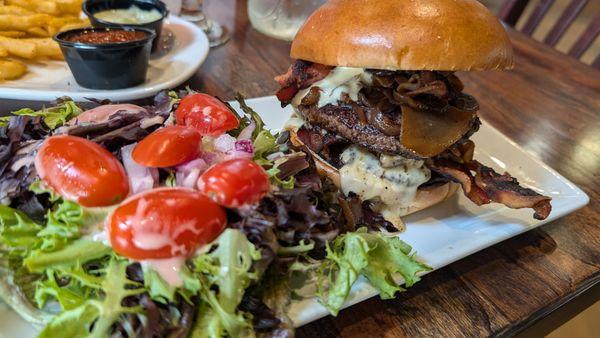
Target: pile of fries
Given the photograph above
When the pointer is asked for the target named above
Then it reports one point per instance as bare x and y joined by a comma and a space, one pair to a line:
26, 30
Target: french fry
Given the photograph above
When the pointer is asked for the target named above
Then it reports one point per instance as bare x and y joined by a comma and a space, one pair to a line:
39, 6
46, 47
38, 32
74, 25
17, 47
55, 24
22, 22
15, 10
11, 69
12, 34
69, 7
3, 52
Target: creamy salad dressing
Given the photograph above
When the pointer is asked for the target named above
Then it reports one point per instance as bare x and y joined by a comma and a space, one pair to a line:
391, 188
131, 15
168, 268
340, 80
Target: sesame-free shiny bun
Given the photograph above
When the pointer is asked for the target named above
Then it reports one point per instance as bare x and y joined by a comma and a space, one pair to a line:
449, 35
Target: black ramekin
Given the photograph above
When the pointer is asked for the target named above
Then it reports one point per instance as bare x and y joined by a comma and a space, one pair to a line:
108, 65
94, 6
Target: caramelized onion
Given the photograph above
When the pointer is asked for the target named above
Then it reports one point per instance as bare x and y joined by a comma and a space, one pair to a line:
386, 124
383, 81
455, 82
428, 133
466, 102
311, 97
437, 88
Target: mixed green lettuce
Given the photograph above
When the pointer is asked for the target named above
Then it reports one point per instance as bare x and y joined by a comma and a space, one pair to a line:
53, 117
381, 259
58, 271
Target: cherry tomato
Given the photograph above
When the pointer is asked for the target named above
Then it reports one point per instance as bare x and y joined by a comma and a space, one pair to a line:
168, 147
164, 223
234, 183
205, 113
81, 171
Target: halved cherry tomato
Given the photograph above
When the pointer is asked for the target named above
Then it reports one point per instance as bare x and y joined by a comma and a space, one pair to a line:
205, 113
164, 223
81, 171
234, 183
168, 147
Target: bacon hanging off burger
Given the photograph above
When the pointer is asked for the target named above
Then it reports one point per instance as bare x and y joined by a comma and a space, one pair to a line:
486, 186
299, 75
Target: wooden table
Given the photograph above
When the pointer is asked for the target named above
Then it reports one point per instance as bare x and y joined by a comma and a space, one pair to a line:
549, 105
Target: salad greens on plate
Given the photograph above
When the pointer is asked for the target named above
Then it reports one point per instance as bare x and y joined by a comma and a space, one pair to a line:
112, 226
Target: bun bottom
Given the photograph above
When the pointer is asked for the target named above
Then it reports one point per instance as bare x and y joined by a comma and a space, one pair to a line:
425, 197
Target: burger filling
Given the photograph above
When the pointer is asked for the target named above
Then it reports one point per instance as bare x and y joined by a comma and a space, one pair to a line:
391, 187
369, 122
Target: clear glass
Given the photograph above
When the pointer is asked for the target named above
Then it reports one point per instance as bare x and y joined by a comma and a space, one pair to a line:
192, 10
280, 19
174, 6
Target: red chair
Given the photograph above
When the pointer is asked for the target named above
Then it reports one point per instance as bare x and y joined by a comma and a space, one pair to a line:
511, 12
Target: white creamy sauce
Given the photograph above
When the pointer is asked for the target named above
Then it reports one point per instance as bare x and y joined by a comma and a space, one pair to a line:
340, 80
167, 268
392, 189
131, 15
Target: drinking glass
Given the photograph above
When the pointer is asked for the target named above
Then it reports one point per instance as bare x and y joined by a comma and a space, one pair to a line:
192, 10
280, 19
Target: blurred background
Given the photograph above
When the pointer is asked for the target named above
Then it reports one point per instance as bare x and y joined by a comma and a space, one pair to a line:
590, 12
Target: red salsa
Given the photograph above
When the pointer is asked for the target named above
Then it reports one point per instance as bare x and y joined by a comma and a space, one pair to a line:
107, 36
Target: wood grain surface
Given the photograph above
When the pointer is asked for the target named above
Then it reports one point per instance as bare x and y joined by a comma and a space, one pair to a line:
549, 105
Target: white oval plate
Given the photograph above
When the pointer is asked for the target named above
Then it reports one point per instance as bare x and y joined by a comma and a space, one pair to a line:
441, 234
48, 80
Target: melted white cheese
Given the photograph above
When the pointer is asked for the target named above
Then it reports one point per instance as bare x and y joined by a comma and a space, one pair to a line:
392, 189
340, 80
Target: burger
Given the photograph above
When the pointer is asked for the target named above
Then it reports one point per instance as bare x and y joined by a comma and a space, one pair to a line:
379, 107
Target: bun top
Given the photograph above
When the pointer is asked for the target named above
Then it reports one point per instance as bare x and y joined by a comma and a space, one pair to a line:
440, 35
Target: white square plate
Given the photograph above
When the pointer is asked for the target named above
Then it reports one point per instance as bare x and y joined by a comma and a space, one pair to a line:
443, 233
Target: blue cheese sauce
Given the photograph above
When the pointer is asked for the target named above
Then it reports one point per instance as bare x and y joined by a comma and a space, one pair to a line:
391, 188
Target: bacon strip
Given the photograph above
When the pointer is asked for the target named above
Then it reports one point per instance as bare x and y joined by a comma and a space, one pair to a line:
487, 186
300, 75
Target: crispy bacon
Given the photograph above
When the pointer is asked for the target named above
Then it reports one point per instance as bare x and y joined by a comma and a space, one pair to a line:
300, 75
487, 186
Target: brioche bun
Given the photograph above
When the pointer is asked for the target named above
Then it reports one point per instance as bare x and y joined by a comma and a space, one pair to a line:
443, 35
425, 197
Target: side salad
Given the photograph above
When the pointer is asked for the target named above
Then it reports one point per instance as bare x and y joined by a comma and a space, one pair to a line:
180, 219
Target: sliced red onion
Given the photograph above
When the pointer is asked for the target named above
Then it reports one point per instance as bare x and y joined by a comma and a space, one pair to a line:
274, 156
242, 149
187, 174
211, 158
246, 133
224, 143
140, 178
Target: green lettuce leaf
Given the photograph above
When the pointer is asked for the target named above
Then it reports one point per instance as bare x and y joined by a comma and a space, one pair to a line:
53, 117
17, 230
95, 317
265, 143
381, 259
4, 121
78, 252
225, 273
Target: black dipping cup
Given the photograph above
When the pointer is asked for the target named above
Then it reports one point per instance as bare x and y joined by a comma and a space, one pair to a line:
107, 65
94, 6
